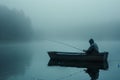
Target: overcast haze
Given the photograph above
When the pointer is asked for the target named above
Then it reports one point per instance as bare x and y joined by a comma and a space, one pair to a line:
29, 29
99, 19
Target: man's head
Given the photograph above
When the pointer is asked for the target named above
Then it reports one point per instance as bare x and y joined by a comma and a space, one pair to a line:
91, 41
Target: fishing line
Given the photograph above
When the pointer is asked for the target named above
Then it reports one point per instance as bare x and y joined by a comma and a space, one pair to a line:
65, 44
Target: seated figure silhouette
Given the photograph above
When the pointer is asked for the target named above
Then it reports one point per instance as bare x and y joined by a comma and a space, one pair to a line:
93, 49
93, 73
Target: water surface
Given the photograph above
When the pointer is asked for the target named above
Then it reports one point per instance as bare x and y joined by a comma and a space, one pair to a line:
28, 61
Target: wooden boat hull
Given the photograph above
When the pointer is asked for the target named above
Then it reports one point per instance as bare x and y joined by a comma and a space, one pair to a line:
73, 56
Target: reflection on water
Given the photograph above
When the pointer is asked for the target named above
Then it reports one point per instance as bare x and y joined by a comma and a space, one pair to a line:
92, 67
13, 60
83, 64
17, 63
93, 73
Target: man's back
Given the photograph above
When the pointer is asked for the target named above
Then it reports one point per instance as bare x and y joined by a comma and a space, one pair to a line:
95, 46
93, 49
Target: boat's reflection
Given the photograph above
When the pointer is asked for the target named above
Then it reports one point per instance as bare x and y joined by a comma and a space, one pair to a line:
92, 68
93, 73
99, 65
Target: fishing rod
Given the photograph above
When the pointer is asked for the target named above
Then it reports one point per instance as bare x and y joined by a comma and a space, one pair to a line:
65, 44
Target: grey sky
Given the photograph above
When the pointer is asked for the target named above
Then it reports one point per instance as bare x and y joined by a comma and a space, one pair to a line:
71, 16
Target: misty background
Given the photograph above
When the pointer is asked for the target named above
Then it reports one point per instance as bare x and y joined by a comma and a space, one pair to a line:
68, 19
27, 26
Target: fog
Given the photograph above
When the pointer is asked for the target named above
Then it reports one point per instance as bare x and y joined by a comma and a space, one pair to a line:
27, 28
71, 19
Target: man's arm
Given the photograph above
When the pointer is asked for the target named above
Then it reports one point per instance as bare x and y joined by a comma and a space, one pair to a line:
90, 49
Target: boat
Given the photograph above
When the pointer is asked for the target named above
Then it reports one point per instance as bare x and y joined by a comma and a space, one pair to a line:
78, 57
98, 65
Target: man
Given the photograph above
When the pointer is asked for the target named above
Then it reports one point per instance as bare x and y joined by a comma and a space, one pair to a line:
93, 49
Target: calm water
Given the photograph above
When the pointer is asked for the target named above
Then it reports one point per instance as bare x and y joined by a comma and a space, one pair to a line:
28, 61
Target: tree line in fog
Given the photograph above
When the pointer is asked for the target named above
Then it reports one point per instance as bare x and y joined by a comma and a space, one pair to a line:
14, 25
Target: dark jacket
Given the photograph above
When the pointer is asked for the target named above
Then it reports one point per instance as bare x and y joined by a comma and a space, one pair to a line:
93, 49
